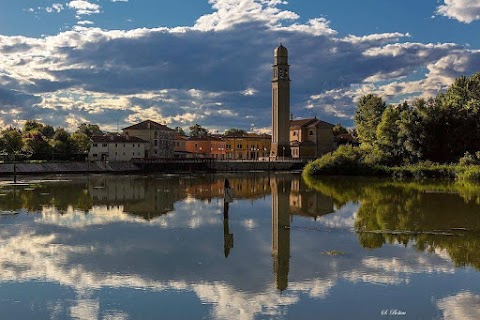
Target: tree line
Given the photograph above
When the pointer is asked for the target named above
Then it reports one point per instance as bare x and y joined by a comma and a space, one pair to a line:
441, 129
38, 141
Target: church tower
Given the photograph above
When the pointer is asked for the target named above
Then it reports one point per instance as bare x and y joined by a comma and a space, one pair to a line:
280, 105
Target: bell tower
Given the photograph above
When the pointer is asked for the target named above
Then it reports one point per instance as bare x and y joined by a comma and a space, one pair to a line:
280, 148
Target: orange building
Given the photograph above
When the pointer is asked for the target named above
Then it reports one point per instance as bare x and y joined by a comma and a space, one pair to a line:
249, 146
206, 147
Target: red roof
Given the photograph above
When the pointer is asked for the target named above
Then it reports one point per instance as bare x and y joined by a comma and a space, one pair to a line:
309, 122
204, 138
148, 124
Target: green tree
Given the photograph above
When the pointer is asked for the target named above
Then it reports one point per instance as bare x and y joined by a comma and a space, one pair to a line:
180, 131
367, 117
390, 135
234, 132
36, 143
81, 142
30, 125
48, 131
62, 143
89, 130
12, 140
339, 129
198, 131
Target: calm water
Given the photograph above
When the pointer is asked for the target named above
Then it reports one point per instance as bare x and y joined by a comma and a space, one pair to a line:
159, 247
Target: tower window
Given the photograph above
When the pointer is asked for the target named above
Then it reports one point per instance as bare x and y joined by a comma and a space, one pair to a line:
311, 132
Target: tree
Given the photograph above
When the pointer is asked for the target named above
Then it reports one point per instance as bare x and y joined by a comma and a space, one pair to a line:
12, 140
37, 144
198, 131
388, 142
81, 142
89, 130
62, 143
234, 132
339, 129
367, 117
30, 125
48, 131
180, 131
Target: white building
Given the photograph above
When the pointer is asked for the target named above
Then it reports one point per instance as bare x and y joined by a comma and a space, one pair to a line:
160, 137
116, 148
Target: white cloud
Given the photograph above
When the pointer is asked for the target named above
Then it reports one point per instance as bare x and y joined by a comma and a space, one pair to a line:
229, 13
56, 7
465, 11
83, 7
85, 22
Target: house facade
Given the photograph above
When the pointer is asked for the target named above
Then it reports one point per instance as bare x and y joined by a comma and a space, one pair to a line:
310, 138
161, 138
206, 147
249, 146
116, 148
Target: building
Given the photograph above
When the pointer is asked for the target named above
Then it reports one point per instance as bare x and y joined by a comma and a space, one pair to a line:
116, 148
249, 146
206, 147
161, 138
180, 147
280, 105
311, 138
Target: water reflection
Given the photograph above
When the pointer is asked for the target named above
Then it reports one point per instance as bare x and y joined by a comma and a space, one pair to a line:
434, 217
280, 189
107, 244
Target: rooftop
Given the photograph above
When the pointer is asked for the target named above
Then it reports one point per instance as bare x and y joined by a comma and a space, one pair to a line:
309, 122
116, 138
148, 125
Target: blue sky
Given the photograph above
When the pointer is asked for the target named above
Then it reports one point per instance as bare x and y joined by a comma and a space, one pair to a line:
65, 62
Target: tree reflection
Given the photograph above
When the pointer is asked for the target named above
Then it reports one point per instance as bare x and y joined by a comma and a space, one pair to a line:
429, 216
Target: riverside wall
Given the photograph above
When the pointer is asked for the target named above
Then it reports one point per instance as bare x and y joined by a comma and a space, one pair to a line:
160, 166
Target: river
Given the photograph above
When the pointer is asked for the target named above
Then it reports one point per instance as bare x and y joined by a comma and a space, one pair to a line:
167, 247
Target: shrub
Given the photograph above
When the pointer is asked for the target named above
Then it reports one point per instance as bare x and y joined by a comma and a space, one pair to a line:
469, 174
469, 159
346, 160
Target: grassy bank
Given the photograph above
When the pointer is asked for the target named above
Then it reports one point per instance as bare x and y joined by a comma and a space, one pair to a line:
350, 161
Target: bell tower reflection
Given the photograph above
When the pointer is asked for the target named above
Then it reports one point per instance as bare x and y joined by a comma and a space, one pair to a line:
281, 187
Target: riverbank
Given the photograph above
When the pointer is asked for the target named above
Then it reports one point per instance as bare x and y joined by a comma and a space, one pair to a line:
159, 165
419, 171
66, 168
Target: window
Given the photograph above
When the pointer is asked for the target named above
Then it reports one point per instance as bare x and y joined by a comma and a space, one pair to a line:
94, 155
155, 143
116, 145
95, 145
104, 145
311, 132
294, 133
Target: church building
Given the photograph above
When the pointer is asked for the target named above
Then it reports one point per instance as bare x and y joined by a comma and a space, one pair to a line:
300, 138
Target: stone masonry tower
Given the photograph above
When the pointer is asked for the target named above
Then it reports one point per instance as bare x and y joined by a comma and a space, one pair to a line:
280, 148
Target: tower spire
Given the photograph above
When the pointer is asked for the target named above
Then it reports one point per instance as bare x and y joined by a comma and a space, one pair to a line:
280, 105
